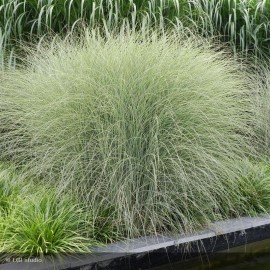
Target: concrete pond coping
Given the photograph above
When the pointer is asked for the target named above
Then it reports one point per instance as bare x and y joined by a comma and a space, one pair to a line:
152, 251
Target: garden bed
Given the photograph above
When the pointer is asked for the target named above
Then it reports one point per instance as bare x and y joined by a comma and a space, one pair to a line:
135, 124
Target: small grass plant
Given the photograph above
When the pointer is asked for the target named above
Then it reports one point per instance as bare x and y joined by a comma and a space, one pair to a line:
36, 221
45, 226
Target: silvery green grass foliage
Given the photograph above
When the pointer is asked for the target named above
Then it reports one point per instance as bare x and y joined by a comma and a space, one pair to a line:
261, 90
244, 24
154, 128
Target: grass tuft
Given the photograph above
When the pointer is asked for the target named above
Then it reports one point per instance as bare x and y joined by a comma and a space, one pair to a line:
152, 124
36, 221
45, 226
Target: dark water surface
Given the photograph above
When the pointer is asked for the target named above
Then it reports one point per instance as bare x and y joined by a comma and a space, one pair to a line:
255, 256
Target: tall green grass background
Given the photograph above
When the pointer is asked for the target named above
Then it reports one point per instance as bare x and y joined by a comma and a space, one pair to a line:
243, 24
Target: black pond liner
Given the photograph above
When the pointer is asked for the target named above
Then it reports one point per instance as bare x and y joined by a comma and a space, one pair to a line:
153, 251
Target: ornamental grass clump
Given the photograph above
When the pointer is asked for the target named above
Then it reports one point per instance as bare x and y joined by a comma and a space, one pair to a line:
151, 124
45, 225
36, 221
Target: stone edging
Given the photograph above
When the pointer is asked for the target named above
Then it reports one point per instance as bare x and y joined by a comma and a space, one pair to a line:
146, 252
